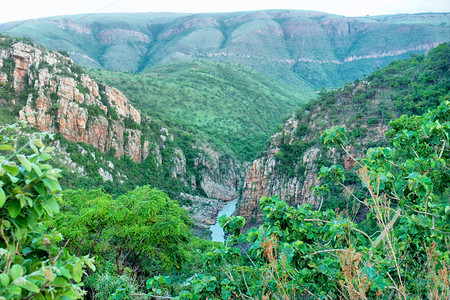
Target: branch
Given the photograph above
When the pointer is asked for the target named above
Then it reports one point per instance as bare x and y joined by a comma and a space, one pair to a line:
323, 221
315, 220
351, 193
442, 150
426, 200
387, 228
62, 249
15, 153
363, 233
348, 153
421, 212
309, 292
331, 250
415, 153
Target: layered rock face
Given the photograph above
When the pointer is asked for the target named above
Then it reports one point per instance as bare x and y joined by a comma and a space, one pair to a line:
60, 100
223, 184
264, 179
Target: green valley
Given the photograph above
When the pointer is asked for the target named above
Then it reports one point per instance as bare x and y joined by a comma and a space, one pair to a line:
234, 107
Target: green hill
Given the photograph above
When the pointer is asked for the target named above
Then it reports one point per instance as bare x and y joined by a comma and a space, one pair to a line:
306, 49
234, 106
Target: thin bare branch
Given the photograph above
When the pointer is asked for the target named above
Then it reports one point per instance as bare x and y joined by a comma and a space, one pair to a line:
387, 228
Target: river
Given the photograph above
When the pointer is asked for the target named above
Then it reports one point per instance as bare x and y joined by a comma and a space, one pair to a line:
228, 209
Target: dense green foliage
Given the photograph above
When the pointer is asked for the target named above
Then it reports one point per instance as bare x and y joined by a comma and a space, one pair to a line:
304, 253
233, 107
139, 225
33, 260
132, 237
417, 84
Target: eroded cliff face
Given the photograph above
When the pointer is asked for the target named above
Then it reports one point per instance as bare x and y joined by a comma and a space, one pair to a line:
70, 103
266, 177
222, 185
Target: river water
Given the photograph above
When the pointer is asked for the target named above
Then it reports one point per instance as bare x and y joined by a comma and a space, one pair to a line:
217, 233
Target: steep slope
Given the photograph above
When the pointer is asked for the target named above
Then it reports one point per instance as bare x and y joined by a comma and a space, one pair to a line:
234, 106
307, 49
101, 139
290, 165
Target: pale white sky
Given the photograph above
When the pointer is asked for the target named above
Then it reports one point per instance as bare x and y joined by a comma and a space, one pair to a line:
13, 10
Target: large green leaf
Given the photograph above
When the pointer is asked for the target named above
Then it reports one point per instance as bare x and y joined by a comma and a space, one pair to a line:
15, 272
24, 161
14, 208
53, 185
25, 284
2, 197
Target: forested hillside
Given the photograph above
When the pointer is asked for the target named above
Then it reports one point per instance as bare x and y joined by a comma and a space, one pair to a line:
102, 141
309, 50
291, 164
234, 107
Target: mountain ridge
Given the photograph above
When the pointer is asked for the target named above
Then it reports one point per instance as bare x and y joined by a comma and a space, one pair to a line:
286, 45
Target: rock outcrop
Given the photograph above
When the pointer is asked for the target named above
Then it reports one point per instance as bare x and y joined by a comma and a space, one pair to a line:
222, 185
70, 103
203, 210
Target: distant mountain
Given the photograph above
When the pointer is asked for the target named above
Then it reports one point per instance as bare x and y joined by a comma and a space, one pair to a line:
308, 49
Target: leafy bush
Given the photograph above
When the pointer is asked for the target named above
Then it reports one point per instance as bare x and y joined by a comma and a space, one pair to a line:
140, 224
33, 260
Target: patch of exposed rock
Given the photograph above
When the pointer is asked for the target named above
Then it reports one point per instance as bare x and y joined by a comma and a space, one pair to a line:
203, 210
220, 175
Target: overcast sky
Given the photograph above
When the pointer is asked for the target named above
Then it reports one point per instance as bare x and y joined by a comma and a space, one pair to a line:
12, 10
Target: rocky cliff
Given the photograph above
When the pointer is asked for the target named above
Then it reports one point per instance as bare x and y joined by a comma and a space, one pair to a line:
267, 175
290, 165
98, 125
70, 103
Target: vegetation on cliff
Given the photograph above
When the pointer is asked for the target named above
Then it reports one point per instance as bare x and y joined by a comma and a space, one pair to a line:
101, 139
